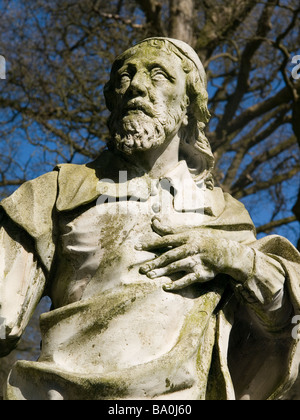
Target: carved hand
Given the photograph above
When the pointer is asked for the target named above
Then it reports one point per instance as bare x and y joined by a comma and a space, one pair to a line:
198, 256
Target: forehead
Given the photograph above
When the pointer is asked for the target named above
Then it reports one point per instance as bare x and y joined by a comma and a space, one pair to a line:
146, 56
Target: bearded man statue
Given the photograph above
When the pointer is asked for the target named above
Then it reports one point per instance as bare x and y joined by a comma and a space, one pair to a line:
159, 287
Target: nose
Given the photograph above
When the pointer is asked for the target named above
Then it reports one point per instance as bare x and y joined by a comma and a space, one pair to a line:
138, 86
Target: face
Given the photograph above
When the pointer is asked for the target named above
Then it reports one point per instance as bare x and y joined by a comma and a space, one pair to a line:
150, 100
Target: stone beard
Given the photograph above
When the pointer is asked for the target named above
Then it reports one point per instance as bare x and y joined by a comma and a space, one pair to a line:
143, 128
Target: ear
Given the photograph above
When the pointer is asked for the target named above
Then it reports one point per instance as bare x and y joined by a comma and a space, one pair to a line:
199, 98
200, 109
186, 106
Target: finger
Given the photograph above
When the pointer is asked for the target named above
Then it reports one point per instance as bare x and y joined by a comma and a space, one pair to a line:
186, 281
167, 241
164, 260
204, 274
185, 265
161, 229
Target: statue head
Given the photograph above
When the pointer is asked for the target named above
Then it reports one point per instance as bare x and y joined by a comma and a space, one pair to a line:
157, 90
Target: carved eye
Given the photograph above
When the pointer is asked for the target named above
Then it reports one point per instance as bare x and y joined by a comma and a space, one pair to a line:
158, 74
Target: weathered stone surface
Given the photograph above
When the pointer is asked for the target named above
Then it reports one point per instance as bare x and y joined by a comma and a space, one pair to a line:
159, 287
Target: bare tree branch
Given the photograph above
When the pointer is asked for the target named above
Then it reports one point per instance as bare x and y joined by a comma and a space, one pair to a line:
152, 10
243, 147
263, 27
265, 156
267, 228
221, 22
258, 110
264, 185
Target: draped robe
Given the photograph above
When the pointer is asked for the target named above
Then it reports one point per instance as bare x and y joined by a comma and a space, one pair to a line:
115, 334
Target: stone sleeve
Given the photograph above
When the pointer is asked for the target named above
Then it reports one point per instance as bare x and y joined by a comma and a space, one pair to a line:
22, 283
265, 293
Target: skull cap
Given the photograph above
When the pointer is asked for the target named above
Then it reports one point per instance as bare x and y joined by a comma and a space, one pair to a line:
187, 51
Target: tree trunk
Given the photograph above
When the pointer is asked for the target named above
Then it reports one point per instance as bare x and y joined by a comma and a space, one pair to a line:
181, 20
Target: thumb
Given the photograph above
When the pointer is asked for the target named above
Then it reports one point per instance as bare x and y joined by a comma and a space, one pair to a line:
160, 228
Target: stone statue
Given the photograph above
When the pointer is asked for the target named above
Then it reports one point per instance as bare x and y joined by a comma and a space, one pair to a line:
159, 287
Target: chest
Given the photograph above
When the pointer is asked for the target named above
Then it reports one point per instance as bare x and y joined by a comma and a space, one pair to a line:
98, 247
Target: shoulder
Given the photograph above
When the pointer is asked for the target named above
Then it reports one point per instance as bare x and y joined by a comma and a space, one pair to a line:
78, 184
234, 203
235, 214
32, 204
66, 187
31, 209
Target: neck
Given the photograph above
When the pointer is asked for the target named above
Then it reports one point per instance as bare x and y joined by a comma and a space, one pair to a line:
157, 162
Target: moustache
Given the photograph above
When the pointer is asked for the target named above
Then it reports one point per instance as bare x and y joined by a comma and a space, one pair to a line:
139, 106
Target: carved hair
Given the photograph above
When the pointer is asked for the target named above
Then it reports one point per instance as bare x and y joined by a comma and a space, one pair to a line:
194, 146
